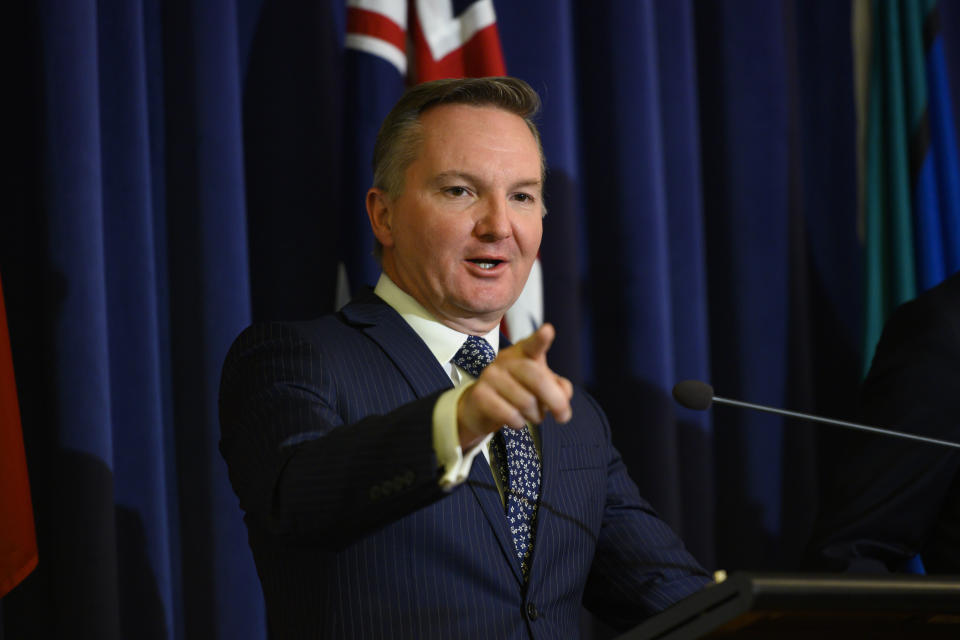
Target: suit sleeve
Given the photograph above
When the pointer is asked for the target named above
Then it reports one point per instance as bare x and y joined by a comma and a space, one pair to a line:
889, 499
299, 471
641, 566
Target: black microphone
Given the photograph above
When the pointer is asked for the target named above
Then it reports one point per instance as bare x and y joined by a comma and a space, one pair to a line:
694, 394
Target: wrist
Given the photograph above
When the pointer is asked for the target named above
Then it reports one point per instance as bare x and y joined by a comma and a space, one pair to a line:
469, 436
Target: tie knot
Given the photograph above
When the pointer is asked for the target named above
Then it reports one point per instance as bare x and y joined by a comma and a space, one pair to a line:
474, 355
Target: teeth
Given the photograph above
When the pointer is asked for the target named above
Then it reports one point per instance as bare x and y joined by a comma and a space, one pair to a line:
486, 265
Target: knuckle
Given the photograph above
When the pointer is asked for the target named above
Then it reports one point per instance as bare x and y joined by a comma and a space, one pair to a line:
480, 393
531, 409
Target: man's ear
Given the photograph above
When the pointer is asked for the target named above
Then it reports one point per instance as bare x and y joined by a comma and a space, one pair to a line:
380, 212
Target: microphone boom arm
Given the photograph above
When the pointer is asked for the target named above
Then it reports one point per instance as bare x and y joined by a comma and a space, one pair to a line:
839, 423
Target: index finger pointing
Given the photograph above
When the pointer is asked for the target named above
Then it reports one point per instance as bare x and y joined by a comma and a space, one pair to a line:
538, 343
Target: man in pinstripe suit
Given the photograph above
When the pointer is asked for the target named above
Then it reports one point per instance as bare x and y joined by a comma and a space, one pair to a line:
357, 443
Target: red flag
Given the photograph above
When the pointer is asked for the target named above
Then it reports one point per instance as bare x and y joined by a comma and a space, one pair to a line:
447, 41
449, 45
18, 542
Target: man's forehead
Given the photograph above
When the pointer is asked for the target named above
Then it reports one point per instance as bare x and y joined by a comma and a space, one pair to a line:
453, 133
456, 122
467, 113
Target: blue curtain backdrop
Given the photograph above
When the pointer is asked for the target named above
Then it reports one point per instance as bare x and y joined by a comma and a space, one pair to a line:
179, 170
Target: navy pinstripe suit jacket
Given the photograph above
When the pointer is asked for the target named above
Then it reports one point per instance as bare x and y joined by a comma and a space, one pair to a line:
327, 434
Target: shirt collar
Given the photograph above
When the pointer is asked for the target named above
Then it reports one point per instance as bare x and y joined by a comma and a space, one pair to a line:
442, 341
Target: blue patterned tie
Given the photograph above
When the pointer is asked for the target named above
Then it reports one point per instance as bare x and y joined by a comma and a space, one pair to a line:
516, 459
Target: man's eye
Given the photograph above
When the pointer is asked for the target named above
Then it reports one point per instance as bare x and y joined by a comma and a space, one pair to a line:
456, 191
523, 197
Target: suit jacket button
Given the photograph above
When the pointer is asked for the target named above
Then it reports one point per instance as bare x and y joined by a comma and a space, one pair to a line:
532, 612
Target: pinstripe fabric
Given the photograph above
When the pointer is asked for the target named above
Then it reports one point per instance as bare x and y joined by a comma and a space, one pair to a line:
326, 430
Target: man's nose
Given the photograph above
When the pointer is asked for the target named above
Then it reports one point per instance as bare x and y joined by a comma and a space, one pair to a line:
494, 223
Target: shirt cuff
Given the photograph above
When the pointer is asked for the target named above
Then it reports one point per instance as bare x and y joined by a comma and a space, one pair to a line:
454, 462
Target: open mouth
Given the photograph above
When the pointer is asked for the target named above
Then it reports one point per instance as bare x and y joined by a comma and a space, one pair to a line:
485, 263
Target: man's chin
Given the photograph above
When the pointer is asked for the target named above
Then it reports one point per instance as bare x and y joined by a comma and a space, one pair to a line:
488, 313
492, 314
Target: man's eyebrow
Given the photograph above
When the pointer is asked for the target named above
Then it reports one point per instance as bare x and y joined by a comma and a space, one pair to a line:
530, 182
469, 177
462, 175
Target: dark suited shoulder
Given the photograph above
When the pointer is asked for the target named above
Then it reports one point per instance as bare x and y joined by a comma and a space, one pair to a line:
324, 441
889, 499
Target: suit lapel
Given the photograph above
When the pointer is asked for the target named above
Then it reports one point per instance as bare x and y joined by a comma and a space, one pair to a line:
549, 476
400, 342
485, 490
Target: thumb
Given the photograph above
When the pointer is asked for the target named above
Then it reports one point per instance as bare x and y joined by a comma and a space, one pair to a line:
535, 345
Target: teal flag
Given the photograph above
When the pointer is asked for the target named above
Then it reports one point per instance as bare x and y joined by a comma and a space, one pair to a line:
911, 191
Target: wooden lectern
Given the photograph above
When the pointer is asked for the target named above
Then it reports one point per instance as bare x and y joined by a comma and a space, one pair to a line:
813, 606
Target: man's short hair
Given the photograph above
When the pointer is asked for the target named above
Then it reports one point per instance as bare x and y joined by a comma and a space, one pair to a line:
398, 141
